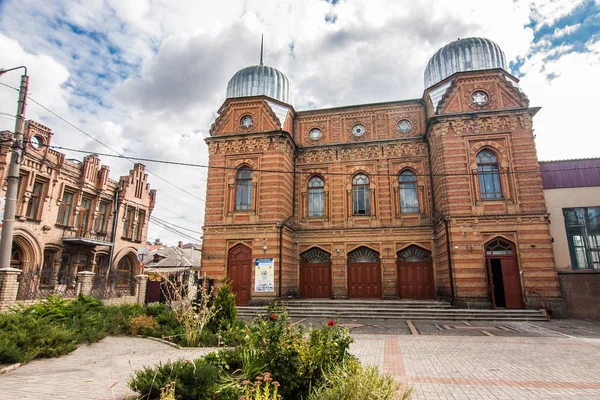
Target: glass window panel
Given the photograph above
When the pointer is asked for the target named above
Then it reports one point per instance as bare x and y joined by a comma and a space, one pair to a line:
243, 195
489, 177
583, 236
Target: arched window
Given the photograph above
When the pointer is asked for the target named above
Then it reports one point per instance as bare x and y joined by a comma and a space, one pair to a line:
409, 201
316, 197
489, 177
243, 189
361, 201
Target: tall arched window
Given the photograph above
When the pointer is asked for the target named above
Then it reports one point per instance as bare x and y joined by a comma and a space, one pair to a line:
361, 201
489, 177
243, 189
409, 200
316, 197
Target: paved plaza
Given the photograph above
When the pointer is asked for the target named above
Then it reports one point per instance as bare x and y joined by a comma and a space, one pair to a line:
437, 359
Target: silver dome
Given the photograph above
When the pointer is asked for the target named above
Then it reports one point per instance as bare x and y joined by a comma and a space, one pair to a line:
470, 54
260, 80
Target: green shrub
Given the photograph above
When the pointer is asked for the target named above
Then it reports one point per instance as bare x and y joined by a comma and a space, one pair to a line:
24, 337
194, 380
226, 311
353, 381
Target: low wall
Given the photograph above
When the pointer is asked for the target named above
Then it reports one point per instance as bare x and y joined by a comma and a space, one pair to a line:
9, 290
580, 291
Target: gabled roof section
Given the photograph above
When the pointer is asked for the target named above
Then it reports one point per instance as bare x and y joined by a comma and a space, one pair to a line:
268, 115
454, 94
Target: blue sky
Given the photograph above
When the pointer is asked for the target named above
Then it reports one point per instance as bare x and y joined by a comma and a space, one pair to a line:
147, 77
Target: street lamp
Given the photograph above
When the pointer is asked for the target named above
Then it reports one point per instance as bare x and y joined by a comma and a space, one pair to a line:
8, 223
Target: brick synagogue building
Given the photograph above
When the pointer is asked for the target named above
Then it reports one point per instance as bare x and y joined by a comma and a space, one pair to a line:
436, 197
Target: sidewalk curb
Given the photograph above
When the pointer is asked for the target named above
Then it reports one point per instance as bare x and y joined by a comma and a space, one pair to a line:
9, 368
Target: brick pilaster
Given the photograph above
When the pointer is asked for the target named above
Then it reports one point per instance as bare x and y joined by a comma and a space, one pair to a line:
84, 282
141, 282
9, 286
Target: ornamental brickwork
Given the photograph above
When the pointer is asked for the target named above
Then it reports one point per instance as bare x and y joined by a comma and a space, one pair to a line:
467, 237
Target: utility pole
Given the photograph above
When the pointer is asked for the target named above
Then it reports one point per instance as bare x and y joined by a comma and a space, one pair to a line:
16, 157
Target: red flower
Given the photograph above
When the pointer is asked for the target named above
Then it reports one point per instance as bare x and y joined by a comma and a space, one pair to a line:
331, 323
273, 316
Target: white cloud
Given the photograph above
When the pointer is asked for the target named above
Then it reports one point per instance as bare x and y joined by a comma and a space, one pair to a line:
566, 88
567, 30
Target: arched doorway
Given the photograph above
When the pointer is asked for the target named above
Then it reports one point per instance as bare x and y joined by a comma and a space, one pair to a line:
504, 281
415, 274
315, 274
239, 269
364, 273
125, 273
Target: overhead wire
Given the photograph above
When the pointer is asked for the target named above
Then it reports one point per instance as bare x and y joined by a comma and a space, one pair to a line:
186, 164
168, 227
177, 226
101, 143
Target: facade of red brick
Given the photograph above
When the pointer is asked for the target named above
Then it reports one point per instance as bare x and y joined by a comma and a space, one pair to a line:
427, 228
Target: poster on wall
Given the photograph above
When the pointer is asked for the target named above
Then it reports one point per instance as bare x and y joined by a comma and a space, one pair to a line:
264, 275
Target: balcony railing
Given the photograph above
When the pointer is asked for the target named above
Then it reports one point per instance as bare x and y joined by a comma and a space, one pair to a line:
78, 236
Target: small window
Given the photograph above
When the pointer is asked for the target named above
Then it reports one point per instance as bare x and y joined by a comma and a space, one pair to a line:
489, 177
140, 226
316, 197
100, 225
243, 189
83, 216
128, 223
64, 211
409, 200
33, 207
361, 195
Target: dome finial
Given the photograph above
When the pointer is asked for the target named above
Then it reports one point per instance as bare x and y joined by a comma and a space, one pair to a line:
261, 48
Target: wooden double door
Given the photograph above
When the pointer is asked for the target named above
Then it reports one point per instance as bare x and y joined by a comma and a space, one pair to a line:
364, 274
315, 274
415, 274
239, 269
504, 279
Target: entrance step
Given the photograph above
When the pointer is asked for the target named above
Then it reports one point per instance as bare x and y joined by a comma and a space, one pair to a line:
392, 309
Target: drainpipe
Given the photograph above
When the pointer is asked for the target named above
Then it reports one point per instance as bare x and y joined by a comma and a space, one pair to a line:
282, 225
114, 228
449, 255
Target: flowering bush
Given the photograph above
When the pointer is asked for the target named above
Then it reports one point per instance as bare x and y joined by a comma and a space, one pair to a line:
263, 388
293, 360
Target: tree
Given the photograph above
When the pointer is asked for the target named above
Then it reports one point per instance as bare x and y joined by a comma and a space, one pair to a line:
157, 242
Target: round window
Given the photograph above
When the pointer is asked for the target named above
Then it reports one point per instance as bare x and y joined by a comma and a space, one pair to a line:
404, 126
36, 142
358, 130
480, 98
315, 134
246, 121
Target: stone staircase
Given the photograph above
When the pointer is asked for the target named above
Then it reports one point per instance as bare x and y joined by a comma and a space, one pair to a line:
392, 309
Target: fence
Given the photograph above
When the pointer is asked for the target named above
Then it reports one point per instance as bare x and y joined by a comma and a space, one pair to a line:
30, 287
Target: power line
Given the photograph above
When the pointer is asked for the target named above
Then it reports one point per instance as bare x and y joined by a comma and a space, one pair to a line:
185, 164
101, 143
111, 149
178, 163
177, 226
173, 230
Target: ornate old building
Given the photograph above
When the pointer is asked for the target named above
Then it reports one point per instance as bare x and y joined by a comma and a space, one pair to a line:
72, 217
435, 197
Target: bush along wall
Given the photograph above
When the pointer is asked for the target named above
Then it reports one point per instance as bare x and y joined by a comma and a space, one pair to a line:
57, 326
